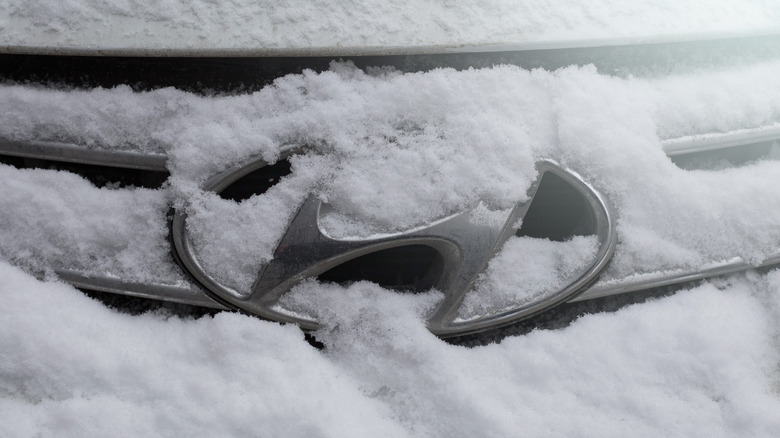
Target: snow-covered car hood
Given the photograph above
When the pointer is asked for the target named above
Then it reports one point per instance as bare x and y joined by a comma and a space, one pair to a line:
266, 27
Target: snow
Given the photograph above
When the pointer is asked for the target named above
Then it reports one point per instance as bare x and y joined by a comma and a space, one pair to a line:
389, 152
526, 270
701, 362
68, 223
348, 26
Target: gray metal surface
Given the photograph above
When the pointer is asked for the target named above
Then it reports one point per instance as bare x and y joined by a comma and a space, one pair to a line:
185, 294
73, 153
717, 141
201, 48
665, 278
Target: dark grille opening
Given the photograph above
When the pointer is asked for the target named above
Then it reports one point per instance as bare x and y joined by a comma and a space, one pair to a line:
411, 268
558, 212
100, 176
257, 182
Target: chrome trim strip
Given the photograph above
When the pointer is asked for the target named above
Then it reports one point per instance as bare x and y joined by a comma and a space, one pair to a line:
666, 278
192, 50
163, 292
73, 153
716, 141
594, 43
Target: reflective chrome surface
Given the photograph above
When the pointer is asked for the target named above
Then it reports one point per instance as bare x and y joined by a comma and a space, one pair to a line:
718, 141
466, 245
665, 278
72, 153
45, 43
185, 293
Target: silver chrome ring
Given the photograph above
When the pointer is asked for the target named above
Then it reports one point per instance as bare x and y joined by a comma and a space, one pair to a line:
465, 248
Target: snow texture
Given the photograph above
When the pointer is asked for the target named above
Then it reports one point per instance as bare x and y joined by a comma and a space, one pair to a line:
54, 219
703, 362
389, 152
301, 25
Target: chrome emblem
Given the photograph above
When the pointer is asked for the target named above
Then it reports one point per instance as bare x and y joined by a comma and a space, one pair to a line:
465, 246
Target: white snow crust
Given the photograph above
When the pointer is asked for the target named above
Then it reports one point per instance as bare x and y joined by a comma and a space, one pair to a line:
526, 270
703, 362
262, 26
51, 220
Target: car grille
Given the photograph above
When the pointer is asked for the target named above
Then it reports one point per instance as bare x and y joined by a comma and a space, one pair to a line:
556, 214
